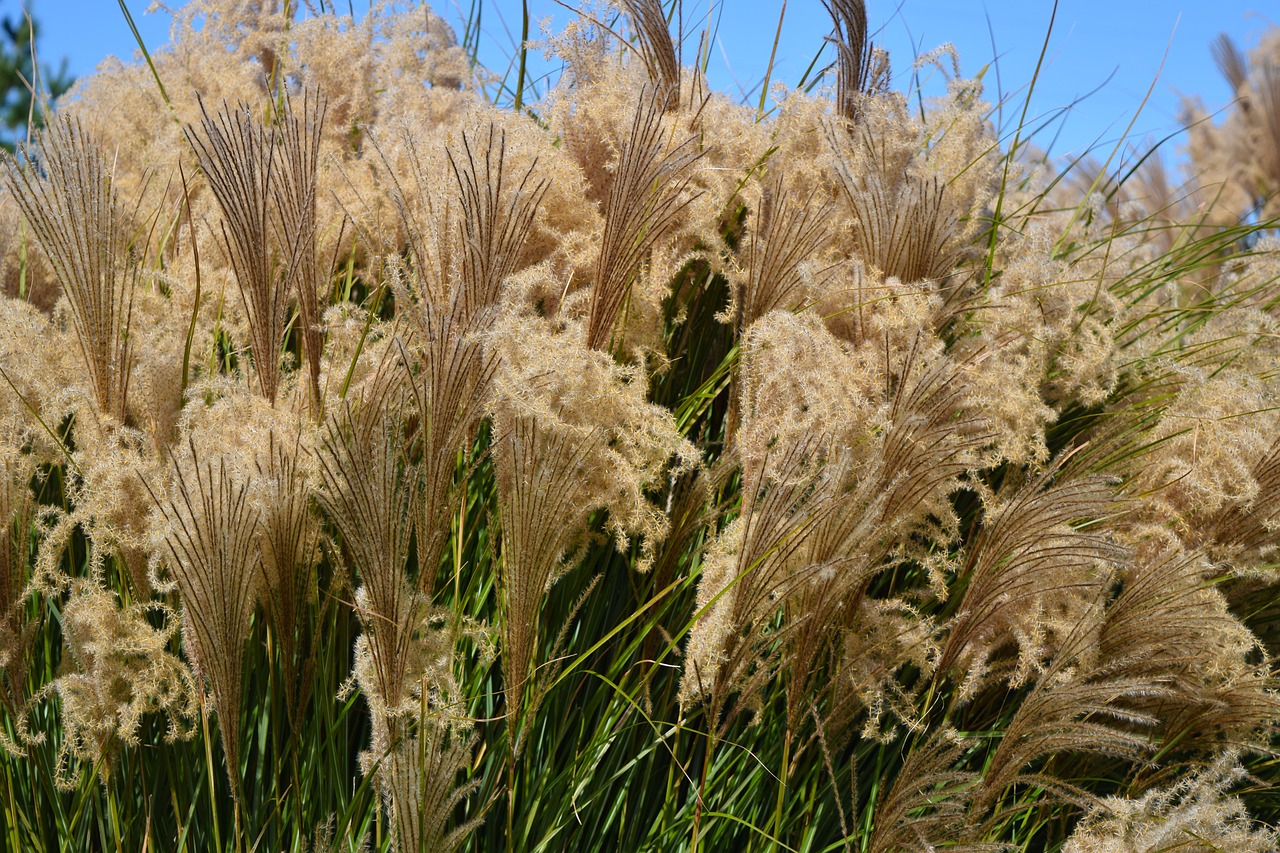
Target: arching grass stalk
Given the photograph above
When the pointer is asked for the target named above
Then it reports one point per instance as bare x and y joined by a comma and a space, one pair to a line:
212, 777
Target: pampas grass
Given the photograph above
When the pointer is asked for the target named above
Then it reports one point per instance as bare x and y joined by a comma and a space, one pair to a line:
627, 468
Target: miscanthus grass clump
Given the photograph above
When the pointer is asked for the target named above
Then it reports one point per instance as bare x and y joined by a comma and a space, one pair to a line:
397, 458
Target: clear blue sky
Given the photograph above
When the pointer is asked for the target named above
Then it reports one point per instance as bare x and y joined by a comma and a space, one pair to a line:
1117, 45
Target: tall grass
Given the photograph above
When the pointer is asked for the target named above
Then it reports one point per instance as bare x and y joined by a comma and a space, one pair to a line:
626, 468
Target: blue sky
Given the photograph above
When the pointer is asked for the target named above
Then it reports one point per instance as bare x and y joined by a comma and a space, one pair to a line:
1113, 46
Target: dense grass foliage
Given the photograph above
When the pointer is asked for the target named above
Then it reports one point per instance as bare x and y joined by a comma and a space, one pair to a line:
391, 464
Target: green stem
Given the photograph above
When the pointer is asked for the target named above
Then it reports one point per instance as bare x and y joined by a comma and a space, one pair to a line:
511, 797
146, 54
782, 789
524, 52
11, 806
670, 799
702, 785
115, 817
208, 762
